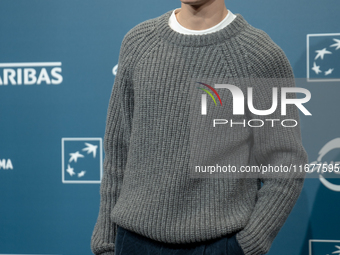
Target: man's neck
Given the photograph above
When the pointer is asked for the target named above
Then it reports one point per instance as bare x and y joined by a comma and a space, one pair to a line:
200, 17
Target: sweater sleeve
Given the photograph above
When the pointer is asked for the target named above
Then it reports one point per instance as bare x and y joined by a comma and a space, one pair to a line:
116, 141
273, 146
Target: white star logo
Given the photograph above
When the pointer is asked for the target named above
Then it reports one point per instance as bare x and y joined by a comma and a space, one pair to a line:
91, 148
337, 44
329, 71
338, 251
70, 170
321, 53
75, 156
316, 68
81, 174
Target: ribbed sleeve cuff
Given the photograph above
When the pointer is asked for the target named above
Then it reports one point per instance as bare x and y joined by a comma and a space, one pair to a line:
258, 235
248, 250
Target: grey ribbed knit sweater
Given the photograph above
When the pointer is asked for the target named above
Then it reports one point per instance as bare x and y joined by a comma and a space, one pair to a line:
146, 187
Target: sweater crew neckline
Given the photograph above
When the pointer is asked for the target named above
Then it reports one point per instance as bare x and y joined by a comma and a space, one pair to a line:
167, 33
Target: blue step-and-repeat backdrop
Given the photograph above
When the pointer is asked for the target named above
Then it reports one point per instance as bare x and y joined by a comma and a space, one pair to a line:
57, 66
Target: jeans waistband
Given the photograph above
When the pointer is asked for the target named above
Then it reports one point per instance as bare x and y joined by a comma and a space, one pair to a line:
179, 245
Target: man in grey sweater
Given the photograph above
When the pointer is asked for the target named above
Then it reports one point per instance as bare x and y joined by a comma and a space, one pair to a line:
147, 193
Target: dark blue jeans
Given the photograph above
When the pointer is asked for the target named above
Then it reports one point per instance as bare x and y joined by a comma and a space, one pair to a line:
130, 243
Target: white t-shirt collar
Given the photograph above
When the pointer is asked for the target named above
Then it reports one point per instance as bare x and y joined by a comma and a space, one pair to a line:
173, 23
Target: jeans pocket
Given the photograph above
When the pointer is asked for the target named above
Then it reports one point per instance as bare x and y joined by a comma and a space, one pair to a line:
119, 242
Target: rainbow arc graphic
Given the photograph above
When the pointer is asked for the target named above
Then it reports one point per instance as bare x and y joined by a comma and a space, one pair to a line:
204, 97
